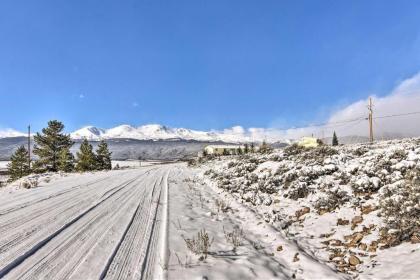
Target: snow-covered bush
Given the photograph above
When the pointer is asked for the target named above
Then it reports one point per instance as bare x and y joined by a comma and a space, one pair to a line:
297, 191
30, 183
332, 200
319, 154
293, 150
400, 206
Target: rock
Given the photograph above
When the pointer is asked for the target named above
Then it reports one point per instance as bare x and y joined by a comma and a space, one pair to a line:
367, 209
342, 222
279, 248
363, 246
373, 247
322, 212
296, 258
415, 239
354, 261
355, 221
336, 242
302, 212
354, 239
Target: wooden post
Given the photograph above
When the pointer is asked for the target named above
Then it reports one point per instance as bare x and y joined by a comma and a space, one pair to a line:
370, 107
29, 146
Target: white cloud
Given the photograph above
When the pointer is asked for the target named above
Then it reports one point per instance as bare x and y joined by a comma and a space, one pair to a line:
81, 96
135, 104
405, 98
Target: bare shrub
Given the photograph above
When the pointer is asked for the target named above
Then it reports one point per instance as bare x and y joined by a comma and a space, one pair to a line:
34, 182
222, 206
200, 244
26, 185
30, 183
235, 237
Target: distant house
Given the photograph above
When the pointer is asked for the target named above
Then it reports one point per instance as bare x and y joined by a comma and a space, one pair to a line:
309, 142
223, 149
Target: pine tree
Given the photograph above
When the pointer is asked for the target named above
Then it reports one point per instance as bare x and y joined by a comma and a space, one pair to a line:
103, 157
265, 148
239, 151
66, 161
252, 149
246, 149
335, 140
86, 159
19, 166
49, 144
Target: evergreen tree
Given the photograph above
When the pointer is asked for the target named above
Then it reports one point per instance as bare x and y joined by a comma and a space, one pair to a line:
103, 157
86, 159
335, 140
239, 151
226, 152
252, 149
66, 161
19, 166
49, 144
265, 148
246, 149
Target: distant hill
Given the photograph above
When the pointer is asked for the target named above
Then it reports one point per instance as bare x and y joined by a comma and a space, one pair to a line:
123, 149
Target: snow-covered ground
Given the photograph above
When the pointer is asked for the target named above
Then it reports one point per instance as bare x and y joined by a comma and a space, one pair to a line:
133, 163
3, 165
131, 224
82, 226
314, 214
353, 208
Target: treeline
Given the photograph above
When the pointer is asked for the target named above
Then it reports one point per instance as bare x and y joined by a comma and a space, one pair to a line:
52, 148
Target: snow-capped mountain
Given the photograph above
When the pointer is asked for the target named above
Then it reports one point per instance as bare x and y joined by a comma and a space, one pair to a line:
10, 133
88, 132
160, 132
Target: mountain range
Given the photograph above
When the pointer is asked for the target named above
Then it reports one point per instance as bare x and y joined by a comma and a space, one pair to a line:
235, 134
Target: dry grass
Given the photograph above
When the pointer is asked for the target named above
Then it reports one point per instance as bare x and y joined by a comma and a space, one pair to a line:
235, 237
199, 244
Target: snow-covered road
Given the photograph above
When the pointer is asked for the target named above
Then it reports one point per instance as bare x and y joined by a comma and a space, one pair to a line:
103, 225
131, 224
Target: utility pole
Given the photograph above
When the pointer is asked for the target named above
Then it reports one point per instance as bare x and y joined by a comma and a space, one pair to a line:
29, 146
370, 108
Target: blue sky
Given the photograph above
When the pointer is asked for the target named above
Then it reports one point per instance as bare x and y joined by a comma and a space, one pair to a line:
199, 64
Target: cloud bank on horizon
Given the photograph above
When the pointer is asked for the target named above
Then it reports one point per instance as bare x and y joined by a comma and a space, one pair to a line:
405, 98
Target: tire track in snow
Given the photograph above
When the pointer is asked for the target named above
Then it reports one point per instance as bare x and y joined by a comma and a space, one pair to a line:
70, 250
20, 257
135, 256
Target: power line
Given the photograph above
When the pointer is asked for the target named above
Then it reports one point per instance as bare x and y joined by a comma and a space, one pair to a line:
358, 120
327, 123
397, 115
